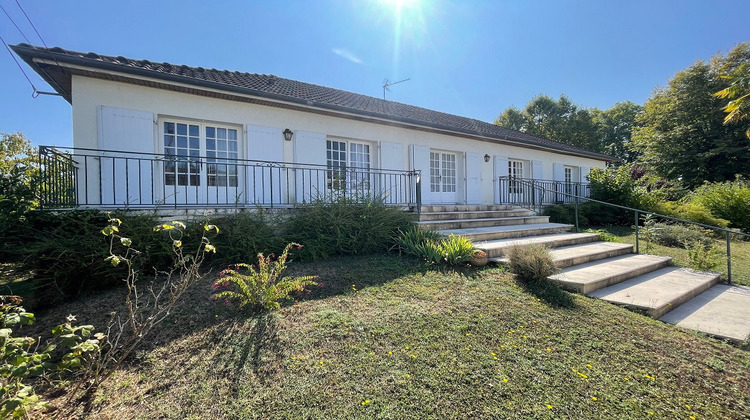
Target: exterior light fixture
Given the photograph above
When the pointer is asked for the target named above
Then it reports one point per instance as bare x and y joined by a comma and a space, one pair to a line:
486, 158
287, 134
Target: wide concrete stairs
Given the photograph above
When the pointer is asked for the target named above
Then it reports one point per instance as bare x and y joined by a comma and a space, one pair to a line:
605, 270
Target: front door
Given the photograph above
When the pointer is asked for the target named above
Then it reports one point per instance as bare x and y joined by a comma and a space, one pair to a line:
516, 189
443, 177
200, 164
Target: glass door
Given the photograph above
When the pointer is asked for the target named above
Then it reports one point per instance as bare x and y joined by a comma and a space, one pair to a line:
200, 164
443, 177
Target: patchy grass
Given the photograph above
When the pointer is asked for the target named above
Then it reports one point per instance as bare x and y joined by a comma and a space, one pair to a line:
740, 253
387, 337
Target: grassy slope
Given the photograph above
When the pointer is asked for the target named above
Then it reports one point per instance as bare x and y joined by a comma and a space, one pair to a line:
387, 337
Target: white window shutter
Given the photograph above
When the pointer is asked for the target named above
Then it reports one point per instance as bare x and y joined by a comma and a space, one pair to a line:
585, 173
537, 169
473, 178
124, 182
392, 186
265, 183
558, 171
419, 160
500, 168
310, 148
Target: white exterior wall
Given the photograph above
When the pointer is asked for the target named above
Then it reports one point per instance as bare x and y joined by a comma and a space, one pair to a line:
88, 94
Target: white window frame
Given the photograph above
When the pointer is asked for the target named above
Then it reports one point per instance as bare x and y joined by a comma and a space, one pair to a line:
350, 174
202, 153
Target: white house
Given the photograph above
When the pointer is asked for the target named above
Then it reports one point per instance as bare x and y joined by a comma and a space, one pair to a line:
147, 134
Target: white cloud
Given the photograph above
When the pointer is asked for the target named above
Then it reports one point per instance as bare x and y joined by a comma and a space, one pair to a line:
343, 52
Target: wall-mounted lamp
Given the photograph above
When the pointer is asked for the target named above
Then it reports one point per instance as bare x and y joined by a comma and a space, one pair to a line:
287, 134
486, 158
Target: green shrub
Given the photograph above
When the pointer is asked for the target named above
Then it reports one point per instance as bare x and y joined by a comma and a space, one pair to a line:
262, 286
24, 358
677, 235
531, 262
604, 235
692, 211
617, 186
346, 226
726, 200
412, 239
704, 258
430, 246
245, 235
565, 213
457, 250
66, 252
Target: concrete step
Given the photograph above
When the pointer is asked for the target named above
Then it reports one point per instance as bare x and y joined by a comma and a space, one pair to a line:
658, 292
511, 231
478, 223
721, 311
586, 278
461, 215
582, 253
466, 207
498, 247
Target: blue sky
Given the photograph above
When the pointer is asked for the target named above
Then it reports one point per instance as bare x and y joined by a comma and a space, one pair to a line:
471, 58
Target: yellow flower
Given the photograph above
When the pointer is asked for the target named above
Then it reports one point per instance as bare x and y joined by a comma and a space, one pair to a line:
593, 398
468, 334
321, 362
365, 402
549, 406
687, 406
493, 354
549, 349
390, 352
505, 379
588, 365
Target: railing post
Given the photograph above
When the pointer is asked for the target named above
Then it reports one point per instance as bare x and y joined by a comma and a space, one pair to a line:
419, 194
576, 206
729, 258
637, 245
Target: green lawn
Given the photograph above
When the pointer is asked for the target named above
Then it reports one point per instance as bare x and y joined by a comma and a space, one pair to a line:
740, 253
387, 337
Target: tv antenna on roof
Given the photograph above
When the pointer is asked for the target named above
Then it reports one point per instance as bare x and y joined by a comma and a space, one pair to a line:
387, 83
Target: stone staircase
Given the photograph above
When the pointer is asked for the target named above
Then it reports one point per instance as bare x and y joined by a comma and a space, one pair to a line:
609, 271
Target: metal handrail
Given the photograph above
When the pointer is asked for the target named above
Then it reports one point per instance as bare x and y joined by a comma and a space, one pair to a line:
637, 212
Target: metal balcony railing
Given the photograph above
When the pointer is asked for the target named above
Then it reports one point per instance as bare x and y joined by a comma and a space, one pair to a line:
76, 177
536, 193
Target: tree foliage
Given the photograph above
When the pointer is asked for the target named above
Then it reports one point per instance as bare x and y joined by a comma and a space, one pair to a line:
560, 120
615, 129
19, 179
735, 69
681, 133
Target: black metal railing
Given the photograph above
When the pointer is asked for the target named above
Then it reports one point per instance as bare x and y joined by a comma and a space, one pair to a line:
536, 193
130, 180
533, 188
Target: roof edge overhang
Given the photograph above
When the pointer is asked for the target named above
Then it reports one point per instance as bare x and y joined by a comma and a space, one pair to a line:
38, 59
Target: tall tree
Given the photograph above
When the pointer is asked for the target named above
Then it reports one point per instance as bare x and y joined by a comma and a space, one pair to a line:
615, 127
682, 135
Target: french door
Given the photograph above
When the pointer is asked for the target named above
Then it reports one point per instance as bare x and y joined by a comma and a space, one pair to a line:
348, 163
200, 163
443, 177
516, 190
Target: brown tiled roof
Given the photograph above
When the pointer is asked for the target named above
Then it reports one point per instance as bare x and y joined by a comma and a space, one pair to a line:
57, 60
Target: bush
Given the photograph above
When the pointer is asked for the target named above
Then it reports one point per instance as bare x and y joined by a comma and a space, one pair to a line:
262, 286
531, 262
245, 235
726, 200
704, 258
19, 183
692, 211
457, 250
677, 235
346, 226
430, 246
66, 252
618, 186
